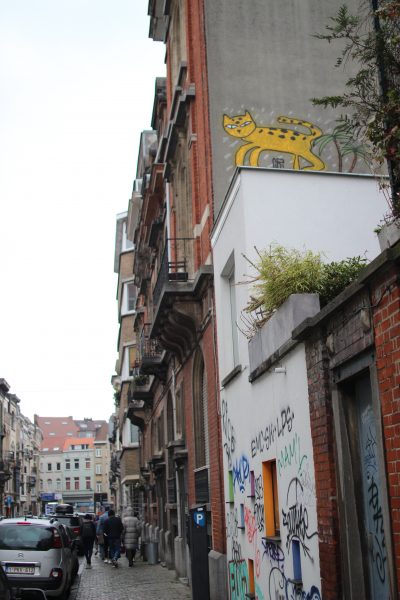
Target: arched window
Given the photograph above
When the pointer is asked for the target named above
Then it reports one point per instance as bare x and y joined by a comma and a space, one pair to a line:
49, 484
200, 413
58, 484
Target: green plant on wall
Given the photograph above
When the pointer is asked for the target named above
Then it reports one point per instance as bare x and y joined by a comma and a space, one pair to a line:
282, 271
345, 145
371, 42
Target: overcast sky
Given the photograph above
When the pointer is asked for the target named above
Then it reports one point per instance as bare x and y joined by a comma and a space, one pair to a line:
76, 89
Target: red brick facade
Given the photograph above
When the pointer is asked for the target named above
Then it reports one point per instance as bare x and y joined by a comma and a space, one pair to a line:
362, 324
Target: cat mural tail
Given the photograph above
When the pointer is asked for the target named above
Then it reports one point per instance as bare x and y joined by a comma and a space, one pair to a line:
261, 138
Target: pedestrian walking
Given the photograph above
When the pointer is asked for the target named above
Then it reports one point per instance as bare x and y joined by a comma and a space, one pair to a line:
132, 531
88, 535
101, 538
113, 529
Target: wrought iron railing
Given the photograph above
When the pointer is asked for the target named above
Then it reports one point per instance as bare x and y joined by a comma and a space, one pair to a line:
176, 264
148, 347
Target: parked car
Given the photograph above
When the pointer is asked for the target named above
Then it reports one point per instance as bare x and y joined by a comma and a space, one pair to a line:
37, 553
9, 593
73, 522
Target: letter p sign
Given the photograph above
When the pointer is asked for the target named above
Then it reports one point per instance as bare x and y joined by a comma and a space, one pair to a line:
199, 518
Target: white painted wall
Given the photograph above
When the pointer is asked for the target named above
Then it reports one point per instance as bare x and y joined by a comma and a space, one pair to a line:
269, 419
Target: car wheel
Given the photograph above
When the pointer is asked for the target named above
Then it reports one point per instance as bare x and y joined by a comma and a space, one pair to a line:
66, 592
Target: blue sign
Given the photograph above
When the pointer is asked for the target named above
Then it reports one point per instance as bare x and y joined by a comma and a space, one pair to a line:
199, 518
47, 497
9, 500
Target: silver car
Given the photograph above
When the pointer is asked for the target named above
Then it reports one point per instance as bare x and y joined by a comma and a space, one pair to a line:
37, 553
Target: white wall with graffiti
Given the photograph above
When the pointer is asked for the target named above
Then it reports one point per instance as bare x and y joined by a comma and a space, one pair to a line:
271, 520
262, 422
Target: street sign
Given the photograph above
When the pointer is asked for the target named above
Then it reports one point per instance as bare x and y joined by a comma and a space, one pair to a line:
199, 518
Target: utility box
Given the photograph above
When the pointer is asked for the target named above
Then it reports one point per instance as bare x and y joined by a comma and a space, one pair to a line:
199, 553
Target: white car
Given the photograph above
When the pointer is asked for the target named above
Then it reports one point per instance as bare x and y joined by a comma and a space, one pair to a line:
37, 553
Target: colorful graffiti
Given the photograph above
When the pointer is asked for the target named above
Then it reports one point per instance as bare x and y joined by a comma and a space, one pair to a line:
238, 579
264, 138
259, 502
250, 524
290, 454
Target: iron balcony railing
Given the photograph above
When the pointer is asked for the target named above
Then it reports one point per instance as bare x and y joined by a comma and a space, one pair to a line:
148, 347
176, 264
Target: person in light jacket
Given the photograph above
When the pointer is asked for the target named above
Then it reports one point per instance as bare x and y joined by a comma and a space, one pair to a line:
132, 529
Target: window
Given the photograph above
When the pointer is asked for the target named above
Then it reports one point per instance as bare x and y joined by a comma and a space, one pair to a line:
67, 463
180, 413
58, 484
132, 360
72, 446
49, 466
131, 296
271, 501
98, 452
76, 483
87, 463
200, 413
128, 297
98, 469
170, 419
68, 483
41, 484
126, 244
49, 484
52, 433
134, 434
88, 483
98, 486
76, 463
58, 466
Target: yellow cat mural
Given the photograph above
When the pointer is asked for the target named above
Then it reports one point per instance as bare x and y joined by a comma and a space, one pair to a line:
260, 138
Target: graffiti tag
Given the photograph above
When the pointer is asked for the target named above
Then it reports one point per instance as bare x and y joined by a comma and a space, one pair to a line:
238, 580
379, 537
229, 432
259, 502
250, 523
273, 551
241, 472
266, 437
295, 518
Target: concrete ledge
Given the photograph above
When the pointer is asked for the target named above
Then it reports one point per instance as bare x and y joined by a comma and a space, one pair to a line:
277, 332
218, 576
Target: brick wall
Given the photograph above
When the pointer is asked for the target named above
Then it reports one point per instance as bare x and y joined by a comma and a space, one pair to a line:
386, 318
341, 335
322, 433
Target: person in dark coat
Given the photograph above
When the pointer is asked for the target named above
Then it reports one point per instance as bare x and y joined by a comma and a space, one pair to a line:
88, 535
113, 529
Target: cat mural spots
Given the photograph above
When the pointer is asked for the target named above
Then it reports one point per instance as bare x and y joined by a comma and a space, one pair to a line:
272, 139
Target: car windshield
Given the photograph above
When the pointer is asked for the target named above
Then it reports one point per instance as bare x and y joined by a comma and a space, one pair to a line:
25, 536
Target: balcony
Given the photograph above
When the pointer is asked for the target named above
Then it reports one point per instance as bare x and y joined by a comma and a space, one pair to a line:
151, 355
177, 297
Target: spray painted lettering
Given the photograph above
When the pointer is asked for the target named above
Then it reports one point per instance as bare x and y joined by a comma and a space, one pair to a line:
273, 552
241, 472
290, 454
379, 546
238, 580
259, 502
266, 437
282, 588
229, 432
295, 518
250, 523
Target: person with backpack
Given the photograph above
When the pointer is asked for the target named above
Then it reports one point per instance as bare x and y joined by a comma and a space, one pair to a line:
113, 530
132, 530
88, 535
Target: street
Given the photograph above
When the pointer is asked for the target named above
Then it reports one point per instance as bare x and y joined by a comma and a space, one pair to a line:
141, 582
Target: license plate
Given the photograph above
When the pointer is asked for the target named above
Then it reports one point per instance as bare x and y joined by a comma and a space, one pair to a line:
20, 569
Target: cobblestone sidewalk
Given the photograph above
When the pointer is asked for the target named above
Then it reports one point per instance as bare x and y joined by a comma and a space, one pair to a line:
141, 582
